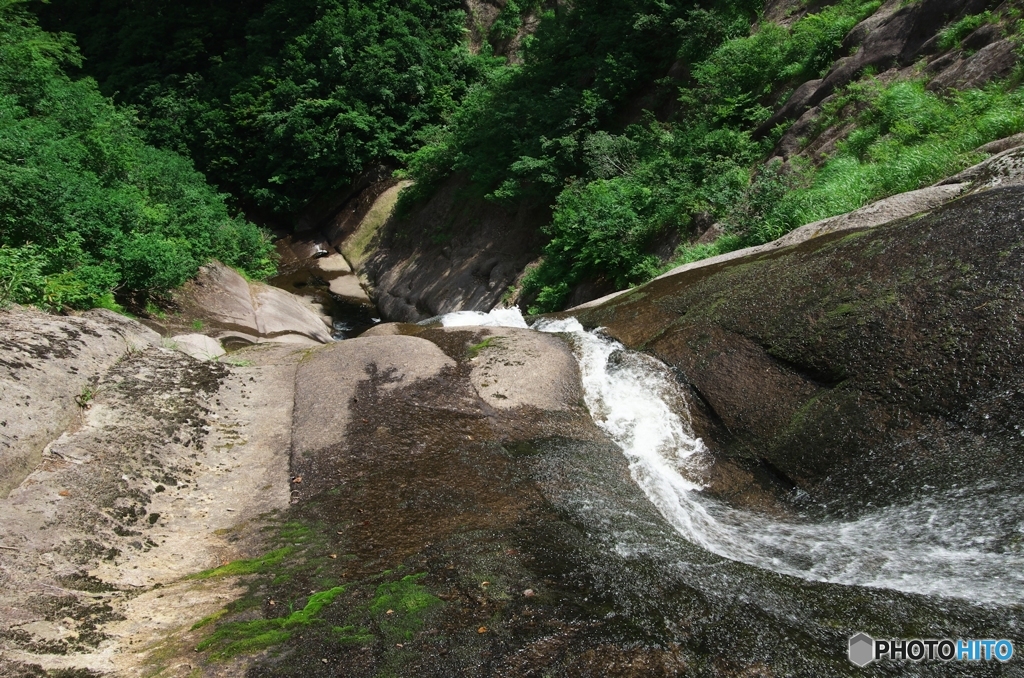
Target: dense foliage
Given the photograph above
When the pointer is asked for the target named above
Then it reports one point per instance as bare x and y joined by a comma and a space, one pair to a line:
283, 101
86, 207
563, 128
633, 119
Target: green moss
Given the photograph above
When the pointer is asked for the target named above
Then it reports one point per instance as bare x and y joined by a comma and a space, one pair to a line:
237, 638
206, 621
250, 566
474, 350
353, 634
400, 606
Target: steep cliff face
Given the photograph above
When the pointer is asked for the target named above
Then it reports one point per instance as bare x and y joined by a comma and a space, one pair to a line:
456, 252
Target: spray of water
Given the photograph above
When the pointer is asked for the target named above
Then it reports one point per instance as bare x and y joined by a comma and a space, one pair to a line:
965, 544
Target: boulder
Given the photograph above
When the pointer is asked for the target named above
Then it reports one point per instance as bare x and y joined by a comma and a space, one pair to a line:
347, 287
521, 368
278, 313
1002, 169
334, 263
992, 61
329, 380
199, 346
239, 312
1005, 144
221, 296
49, 366
860, 366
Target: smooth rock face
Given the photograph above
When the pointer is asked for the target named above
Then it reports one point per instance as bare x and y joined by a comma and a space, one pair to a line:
348, 288
328, 380
334, 263
278, 313
828, 360
521, 368
199, 346
175, 467
222, 296
238, 311
46, 363
468, 265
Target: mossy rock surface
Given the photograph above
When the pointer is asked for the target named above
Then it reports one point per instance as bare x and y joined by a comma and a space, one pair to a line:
857, 367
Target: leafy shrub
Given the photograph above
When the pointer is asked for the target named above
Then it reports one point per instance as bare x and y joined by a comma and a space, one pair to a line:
86, 207
598, 228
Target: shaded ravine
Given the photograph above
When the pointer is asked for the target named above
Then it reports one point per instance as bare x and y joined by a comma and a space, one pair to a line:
965, 543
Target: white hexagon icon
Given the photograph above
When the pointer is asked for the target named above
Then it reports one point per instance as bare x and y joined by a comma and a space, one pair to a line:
862, 649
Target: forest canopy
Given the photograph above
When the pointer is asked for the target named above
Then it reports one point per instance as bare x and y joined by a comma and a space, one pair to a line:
87, 207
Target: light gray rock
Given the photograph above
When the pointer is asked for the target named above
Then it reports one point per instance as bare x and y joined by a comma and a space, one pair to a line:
390, 330
118, 478
221, 295
238, 311
1002, 169
199, 346
48, 369
334, 263
521, 368
279, 313
1004, 144
348, 288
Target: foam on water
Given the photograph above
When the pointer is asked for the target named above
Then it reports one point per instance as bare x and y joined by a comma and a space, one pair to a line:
499, 317
967, 543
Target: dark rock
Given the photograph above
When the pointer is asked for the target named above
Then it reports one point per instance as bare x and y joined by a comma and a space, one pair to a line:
861, 365
984, 35
899, 39
993, 61
465, 256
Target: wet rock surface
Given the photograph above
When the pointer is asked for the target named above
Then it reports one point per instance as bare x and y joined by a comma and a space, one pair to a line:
465, 540
858, 367
398, 520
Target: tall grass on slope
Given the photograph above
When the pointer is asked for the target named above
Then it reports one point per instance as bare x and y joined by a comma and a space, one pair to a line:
907, 138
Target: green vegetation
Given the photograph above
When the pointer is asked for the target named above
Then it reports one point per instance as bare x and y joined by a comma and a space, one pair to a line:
86, 207
906, 138
474, 350
635, 120
552, 129
399, 607
280, 101
235, 638
952, 35
251, 566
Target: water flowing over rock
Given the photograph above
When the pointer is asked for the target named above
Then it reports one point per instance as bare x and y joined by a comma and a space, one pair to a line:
857, 367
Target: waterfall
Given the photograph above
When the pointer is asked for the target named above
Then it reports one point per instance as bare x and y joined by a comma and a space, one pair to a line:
964, 543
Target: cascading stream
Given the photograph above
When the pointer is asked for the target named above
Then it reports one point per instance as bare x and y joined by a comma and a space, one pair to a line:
965, 543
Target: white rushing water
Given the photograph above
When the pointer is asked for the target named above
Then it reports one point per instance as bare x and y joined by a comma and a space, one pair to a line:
965, 544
